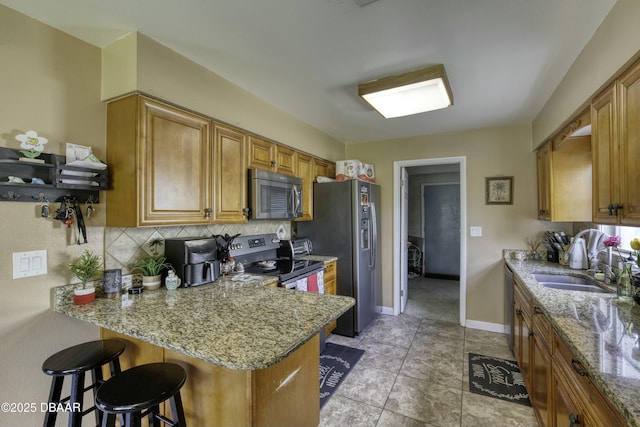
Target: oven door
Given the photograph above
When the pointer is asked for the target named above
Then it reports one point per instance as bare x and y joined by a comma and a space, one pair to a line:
291, 283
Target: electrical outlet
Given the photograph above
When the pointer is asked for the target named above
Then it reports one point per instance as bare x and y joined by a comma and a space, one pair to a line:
27, 264
127, 281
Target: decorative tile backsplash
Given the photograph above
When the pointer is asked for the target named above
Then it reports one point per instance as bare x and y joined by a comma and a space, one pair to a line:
124, 246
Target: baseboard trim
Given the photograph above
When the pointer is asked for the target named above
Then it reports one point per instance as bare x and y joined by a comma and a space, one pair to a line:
386, 310
486, 326
442, 276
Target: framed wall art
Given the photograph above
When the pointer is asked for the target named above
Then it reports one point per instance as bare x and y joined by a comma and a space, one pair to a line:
499, 190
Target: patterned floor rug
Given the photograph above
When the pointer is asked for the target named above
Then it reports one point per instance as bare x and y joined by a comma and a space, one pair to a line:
335, 364
499, 378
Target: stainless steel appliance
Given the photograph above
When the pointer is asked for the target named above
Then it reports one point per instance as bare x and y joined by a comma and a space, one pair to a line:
346, 224
194, 259
295, 248
508, 304
274, 196
259, 255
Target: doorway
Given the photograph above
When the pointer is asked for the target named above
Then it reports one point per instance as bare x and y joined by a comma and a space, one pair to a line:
440, 223
400, 285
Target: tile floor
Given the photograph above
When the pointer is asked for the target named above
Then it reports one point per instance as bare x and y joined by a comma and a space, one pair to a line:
415, 369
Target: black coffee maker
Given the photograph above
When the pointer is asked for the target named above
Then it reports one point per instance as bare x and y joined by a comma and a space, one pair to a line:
194, 259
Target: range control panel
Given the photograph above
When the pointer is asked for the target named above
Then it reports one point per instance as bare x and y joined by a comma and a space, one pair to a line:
244, 245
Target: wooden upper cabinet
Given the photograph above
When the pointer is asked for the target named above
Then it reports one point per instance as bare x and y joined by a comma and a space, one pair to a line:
262, 154
270, 156
170, 166
230, 175
543, 167
616, 147
305, 171
286, 160
324, 168
564, 166
629, 151
159, 158
604, 136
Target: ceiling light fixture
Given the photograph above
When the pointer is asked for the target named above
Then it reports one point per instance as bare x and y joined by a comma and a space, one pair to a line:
414, 92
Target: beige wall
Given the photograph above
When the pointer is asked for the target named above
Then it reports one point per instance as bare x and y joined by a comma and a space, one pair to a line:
489, 152
615, 42
50, 83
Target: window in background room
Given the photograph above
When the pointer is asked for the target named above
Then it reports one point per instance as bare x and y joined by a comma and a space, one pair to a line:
625, 233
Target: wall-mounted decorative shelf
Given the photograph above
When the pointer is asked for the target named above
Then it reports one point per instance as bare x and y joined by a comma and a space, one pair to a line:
59, 179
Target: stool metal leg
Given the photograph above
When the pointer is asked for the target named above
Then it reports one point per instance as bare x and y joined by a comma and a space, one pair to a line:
97, 380
109, 420
77, 396
177, 411
115, 366
132, 419
154, 412
54, 397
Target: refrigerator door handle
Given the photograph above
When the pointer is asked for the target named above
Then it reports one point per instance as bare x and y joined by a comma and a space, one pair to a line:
374, 233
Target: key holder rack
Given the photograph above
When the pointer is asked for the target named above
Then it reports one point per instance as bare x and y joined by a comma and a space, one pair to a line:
60, 180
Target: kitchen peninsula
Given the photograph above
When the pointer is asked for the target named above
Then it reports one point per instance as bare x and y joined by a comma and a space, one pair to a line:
251, 351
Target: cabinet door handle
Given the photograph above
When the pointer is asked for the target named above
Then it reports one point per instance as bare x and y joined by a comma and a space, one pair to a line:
573, 420
616, 208
207, 212
538, 310
610, 209
518, 312
577, 366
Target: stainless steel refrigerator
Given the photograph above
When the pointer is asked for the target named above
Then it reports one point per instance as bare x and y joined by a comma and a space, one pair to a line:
346, 224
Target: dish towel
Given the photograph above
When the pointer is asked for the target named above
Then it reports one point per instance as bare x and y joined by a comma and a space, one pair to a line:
312, 283
301, 284
320, 279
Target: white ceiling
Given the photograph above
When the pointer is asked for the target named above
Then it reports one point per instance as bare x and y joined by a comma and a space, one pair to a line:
503, 58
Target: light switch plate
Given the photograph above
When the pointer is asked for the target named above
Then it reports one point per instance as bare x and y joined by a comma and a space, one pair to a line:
27, 264
475, 231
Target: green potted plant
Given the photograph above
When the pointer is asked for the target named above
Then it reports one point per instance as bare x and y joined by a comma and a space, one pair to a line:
151, 268
86, 269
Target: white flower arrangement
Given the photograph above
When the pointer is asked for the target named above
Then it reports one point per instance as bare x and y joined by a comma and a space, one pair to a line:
31, 143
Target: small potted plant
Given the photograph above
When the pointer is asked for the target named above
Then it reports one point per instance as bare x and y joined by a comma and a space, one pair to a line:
151, 268
86, 269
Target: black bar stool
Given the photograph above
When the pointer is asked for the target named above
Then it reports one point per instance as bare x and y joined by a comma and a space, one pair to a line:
139, 391
75, 361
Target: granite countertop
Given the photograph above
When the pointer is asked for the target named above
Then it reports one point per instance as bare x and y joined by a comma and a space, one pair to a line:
602, 331
236, 324
323, 258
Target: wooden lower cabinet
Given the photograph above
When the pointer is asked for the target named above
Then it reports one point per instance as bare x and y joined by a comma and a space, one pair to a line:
330, 289
540, 380
522, 330
560, 389
285, 394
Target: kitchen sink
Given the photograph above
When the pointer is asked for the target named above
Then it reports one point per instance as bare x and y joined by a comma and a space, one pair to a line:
574, 287
569, 283
560, 278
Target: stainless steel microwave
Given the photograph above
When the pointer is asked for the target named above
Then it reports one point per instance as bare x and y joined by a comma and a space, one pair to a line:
274, 196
